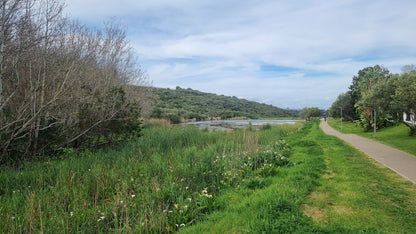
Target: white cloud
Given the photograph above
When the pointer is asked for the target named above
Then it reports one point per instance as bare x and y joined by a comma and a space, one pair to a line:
220, 45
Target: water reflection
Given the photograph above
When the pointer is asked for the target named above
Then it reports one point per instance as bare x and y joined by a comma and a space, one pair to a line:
231, 124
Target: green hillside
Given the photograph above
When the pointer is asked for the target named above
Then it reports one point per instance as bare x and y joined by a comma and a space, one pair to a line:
179, 103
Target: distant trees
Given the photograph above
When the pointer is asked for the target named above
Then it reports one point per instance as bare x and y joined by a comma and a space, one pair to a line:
62, 84
376, 89
310, 112
176, 104
345, 102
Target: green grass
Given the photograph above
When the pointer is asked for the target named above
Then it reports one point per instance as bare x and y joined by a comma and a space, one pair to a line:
330, 188
356, 194
396, 136
184, 179
277, 207
167, 179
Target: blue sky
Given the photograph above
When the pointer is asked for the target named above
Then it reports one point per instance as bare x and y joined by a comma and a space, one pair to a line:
291, 54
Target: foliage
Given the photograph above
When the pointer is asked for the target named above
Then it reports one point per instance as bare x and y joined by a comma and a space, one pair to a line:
404, 96
343, 101
63, 85
310, 112
375, 90
366, 79
363, 90
177, 104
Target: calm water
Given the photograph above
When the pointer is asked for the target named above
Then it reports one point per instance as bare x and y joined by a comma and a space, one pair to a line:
227, 124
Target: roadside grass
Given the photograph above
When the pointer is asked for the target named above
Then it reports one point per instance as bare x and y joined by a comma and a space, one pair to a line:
396, 136
357, 194
329, 188
282, 179
276, 208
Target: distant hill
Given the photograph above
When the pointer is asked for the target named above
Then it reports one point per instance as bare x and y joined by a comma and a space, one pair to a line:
179, 103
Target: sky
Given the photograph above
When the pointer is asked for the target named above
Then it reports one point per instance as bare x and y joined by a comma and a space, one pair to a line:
290, 54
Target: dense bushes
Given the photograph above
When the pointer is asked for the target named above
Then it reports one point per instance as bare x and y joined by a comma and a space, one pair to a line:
63, 85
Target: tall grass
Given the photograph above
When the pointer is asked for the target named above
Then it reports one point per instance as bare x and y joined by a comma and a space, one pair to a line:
329, 187
164, 181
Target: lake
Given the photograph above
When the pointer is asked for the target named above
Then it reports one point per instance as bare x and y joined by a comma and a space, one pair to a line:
231, 124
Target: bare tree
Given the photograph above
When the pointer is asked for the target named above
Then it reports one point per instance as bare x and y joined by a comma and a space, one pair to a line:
62, 84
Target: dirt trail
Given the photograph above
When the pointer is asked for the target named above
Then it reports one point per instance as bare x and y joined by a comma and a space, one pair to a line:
401, 162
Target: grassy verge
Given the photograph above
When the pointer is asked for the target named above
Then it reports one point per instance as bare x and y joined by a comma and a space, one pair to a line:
395, 136
275, 208
356, 194
329, 188
185, 179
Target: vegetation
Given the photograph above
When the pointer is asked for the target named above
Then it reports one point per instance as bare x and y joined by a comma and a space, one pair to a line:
177, 104
183, 179
63, 85
395, 136
344, 101
169, 178
376, 95
357, 195
310, 112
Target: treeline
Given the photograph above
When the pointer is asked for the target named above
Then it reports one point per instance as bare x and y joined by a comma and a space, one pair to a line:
62, 84
376, 95
179, 103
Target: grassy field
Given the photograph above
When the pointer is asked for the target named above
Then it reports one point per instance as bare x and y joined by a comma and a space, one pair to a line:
280, 179
395, 136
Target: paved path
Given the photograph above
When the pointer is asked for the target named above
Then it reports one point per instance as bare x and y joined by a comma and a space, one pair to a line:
401, 162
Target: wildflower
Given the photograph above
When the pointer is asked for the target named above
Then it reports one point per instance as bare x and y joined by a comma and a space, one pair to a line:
176, 206
189, 199
186, 187
71, 213
133, 195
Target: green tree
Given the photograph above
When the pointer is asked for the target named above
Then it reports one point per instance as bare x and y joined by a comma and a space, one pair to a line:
310, 112
362, 83
405, 96
379, 98
345, 102
361, 88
